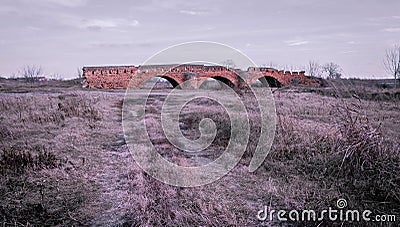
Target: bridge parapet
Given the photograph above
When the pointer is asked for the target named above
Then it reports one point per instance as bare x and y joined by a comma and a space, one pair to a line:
115, 77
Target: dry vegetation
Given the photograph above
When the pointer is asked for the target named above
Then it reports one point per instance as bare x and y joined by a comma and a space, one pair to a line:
348, 147
63, 160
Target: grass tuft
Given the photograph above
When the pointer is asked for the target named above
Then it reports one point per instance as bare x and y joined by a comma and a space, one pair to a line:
18, 160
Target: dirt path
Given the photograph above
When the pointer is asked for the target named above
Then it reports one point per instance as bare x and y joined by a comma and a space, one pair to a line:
107, 166
113, 191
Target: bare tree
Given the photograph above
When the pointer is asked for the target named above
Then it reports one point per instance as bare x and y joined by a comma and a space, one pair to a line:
229, 64
270, 65
13, 75
80, 72
31, 72
289, 68
314, 69
333, 70
56, 76
392, 62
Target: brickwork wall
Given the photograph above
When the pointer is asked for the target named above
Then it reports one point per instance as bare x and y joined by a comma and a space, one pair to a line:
118, 77
108, 77
283, 77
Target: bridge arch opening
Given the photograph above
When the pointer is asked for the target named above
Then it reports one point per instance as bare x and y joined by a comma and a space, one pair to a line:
267, 81
213, 83
162, 82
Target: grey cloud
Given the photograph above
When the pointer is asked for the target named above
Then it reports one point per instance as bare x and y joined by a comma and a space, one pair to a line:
64, 3
296, 42
95, 23
193, 12
397, 29
112, 45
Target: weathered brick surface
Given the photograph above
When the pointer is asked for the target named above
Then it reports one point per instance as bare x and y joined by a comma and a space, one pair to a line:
118, 77
283, 77
112, 77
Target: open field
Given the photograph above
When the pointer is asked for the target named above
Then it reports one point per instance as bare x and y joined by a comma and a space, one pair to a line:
64, 160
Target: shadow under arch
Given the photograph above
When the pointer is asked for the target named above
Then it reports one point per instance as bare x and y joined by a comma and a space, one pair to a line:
268, 81
172, 81
224, 80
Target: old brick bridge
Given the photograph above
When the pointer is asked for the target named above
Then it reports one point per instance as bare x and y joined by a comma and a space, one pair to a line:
118, 77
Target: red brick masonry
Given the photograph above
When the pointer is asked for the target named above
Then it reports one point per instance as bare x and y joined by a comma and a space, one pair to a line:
118, 77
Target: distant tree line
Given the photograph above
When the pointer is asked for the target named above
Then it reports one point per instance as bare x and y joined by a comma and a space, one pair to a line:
31, 73
329, 70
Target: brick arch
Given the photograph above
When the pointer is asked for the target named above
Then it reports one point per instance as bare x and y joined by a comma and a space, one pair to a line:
174, 82
227, 81
269, 81
171, 80
271, 78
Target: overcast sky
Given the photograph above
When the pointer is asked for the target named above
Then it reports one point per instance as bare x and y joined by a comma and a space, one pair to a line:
62, 35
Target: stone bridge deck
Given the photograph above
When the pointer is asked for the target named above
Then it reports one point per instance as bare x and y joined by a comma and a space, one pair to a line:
119, 77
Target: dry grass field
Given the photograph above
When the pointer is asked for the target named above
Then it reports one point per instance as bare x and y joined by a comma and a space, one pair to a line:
64, 161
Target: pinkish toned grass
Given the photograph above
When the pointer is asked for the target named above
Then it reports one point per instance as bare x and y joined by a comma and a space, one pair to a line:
323, 151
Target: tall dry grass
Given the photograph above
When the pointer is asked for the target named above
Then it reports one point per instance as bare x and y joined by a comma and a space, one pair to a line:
36, 185
322, 152
47, 109
351, 159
